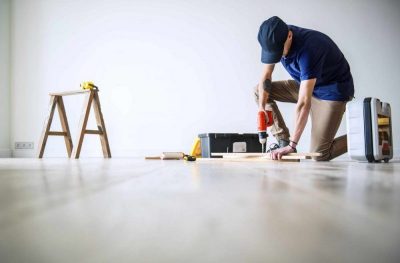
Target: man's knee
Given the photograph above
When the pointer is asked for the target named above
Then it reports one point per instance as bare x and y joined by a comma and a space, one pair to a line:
324, 157
324, 150
256, 97
330, 150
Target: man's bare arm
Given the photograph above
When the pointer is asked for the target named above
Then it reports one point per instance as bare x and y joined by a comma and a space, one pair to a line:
303, 107
302, 111
265, 77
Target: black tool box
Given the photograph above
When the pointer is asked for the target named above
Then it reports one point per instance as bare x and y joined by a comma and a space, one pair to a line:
228, 143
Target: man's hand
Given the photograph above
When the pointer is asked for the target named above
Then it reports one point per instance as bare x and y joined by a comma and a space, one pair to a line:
277, 154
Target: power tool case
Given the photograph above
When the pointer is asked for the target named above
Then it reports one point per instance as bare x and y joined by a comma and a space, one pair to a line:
228, 143
369, 130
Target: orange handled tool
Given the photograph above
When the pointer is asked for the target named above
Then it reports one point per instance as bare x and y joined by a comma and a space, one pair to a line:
264, 121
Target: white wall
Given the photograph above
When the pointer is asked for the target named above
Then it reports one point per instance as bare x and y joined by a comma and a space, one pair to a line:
168, 70
5, 78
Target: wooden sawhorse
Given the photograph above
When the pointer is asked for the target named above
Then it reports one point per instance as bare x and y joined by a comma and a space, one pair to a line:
56, 99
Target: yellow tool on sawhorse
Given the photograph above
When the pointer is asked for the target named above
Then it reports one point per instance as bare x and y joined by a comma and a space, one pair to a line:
89, 85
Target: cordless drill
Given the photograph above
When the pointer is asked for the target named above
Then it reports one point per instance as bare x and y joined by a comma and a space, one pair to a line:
264, 121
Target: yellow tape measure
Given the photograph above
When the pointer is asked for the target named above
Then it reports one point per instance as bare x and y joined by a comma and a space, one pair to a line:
89, 85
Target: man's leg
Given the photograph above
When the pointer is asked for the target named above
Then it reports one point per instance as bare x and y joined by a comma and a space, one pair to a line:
283, 91
326, 117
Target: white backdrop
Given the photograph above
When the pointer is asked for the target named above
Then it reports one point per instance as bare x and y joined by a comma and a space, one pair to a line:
168, 70
4, 79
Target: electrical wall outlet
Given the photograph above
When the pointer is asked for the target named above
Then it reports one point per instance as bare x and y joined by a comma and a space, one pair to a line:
23, 145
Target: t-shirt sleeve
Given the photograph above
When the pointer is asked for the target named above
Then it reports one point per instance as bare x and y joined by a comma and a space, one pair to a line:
311, 62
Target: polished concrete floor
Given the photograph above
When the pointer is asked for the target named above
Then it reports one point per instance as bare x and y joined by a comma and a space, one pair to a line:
132, 210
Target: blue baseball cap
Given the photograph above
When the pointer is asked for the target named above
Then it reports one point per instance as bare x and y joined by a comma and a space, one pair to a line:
272, 36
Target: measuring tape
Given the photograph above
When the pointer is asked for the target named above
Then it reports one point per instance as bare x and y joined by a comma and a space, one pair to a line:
89, 85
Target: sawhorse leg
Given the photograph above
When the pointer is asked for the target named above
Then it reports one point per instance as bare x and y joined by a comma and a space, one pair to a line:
55, 101
92, 97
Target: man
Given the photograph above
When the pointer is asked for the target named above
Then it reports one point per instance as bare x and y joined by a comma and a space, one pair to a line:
321, 87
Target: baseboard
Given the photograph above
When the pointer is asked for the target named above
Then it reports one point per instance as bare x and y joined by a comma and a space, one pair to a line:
87, 154
5, 153
23, 154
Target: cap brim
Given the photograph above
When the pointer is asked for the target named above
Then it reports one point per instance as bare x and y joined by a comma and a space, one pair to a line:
268, 57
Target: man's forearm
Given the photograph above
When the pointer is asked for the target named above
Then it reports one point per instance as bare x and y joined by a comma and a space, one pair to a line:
264, 89
303, 107
262, 96
302, 112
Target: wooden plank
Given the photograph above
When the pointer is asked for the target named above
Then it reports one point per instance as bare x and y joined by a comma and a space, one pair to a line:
285, 157
68, 93
167, 156
289, 157
57, 133
244, 155
105, 146
46, 126
82, 125
268, 157
264, 156
65, 126
310, 154
152, 158
172, 155
261, 160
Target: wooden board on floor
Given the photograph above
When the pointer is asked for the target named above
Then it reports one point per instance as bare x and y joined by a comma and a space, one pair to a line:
167, 156
264, 156
261, 160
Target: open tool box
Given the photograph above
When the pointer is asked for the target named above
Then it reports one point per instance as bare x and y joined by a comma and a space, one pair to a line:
229, 143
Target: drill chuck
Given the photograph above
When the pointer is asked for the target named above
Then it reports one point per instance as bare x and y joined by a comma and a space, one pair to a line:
262, 137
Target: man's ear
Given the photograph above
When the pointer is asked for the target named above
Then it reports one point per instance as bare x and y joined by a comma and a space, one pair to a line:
290, 35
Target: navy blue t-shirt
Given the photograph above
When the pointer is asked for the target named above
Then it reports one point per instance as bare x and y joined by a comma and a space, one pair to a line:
314, 55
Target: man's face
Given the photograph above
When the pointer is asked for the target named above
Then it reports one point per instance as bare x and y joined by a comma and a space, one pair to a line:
288, 43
